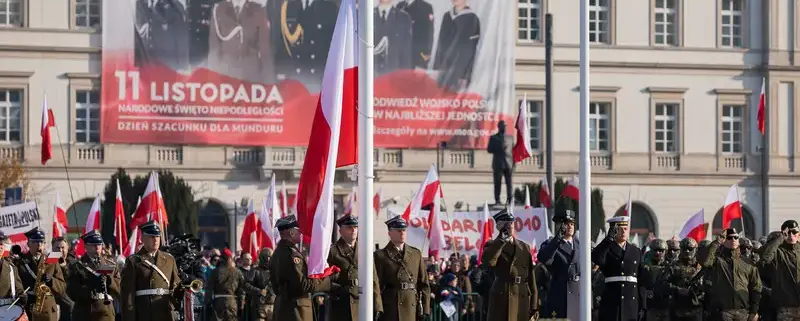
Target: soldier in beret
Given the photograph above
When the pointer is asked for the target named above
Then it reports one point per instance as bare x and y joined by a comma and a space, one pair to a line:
93, 289
28, 269
560, 255
514, 295
735, 289
623, 297
405, 291
782, 252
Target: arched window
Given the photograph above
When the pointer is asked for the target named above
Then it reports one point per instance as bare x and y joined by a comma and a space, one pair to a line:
77, 214
642, 221
212, 223
745, 223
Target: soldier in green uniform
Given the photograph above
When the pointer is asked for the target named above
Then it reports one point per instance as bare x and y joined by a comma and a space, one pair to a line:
746, 248
290, 276
783, 253
93, 282
405, 291
344, 304
28, 268
223, 287
10, 283
657, 305
681, 283
735, 282
261, 299
673, 251
150, 280
514, 294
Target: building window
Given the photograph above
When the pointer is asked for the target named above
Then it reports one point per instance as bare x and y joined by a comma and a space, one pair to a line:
599, 21
535, 123
11, 13
666, 128
87, 117
529, 20
732, 23
732, 129
87, 13
665, 23
599, 126
10, 115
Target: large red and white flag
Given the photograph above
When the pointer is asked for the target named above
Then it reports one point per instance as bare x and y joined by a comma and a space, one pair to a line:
250, 241
733, 208
60, 222
47, 121
92, 223
572, 189
762, 107
695, 227
120, 230
376, 203
436, 231
424, 198
270, 212
486, 231
544, 194
351, 202
527, 197
151, 205
522, 147
333, 141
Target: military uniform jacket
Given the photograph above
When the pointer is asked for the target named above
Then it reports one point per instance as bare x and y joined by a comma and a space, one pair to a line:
257, 303
294, 287
421, 13
651, 275
402, 277
161, 34
624, 293
84, 286
239, 43
562, 263
224, 286
306, 34
392, 40
514, 291
157, 273
735, 282
785, 260
345, 303
676, 276
10, 284
27, 267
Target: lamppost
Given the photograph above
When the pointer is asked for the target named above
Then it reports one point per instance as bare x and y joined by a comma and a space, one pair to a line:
440, 156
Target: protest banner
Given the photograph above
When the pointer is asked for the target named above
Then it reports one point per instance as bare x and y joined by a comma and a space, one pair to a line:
187, 72
17, 219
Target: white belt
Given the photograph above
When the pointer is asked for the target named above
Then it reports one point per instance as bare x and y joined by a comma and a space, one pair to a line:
103, 296
217, 296
631, 279
152, 292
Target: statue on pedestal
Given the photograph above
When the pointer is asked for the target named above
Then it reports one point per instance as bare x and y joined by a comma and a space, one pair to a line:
500, 146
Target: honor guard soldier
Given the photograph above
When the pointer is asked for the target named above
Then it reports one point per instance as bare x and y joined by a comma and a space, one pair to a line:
782, 252
224, 285
290, 276
344, 304
10, 282
37, 276
93, 282
150, 280
514, 295
560, 256
405, 291
623, 297
735, 291
261, 296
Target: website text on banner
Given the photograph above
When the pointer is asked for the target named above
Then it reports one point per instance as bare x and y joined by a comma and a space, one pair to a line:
248, 72
463, 230
17, 219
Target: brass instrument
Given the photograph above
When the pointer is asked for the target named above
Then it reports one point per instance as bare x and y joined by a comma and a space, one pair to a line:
41, 289
195, 286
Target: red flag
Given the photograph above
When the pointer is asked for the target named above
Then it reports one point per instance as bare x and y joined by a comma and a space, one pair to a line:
53, 257
733, 208
572, 190
151, 203
544, 194
486, 231
424, 198
120, 232
250, 240
47, 121
522, 147
333, 141
92, 223
695, 227
762, 106
376, 203
436, 231
59, 218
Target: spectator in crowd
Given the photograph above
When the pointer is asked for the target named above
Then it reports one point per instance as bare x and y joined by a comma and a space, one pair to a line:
450, 293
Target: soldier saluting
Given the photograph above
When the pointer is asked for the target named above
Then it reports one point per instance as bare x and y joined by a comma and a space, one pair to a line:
150, 280
91, 290
623, 297
405, 292
735, 282
514, 295
560, 255
32, 268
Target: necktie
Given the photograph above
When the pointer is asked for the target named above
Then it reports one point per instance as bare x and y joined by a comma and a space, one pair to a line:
570, 245
305, 4
383, 14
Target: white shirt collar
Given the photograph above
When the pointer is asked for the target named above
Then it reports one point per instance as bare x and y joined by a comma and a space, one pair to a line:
400, 247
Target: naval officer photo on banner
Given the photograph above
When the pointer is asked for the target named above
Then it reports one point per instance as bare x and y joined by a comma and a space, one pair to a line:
306, 30
161, 34
457, 46
422, 19
392, 38
239, 41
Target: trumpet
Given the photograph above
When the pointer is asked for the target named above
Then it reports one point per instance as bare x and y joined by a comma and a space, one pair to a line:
195, 286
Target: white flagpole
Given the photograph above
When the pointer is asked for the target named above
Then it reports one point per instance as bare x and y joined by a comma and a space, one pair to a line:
365, 157
585, 167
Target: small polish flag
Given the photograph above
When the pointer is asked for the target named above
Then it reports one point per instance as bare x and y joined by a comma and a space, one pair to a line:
133, 242
762, 106
527, 197
628, 206
47, 121
376, 203
733, 208
572, 189
424, 198
251, 232
59, 218
351, 202
106, 269
120, 231
534, 251
52, 258
486, 231
695, 227
544, 194
436, 231
522, 147
270, 213
92, 223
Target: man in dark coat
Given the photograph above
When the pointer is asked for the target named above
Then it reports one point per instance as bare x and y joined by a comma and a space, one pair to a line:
249, 273
560, 255
623, 296
457, 46
392, 38
261, 298
500, 146
161, 34
421, 13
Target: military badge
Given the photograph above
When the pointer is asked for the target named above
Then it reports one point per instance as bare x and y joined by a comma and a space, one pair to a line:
297, 260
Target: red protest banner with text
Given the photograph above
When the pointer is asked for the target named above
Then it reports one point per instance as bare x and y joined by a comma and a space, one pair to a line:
248, 72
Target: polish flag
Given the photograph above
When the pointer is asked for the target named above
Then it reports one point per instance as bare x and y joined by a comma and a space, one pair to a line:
333, 141
572, 189
47, 121
534, 251
695, 227
53, 257
544, 194
486, 232
133, 242
527, 197
59, 218
424, 198
351, 202
733, 208
762, 106
270, 212
120, 232
436, 232
151, 205
92, 223
376, 203
251, 233
284, 200
522, 147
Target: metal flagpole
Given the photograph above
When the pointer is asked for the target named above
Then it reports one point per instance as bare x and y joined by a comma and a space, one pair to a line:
585, 169
365, 157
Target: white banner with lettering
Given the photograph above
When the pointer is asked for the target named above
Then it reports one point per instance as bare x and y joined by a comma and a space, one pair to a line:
15, 220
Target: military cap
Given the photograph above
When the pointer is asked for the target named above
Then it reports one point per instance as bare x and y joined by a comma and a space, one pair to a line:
688, 243
730, 232
564, 216
658, 244
58, 239
745, 243
286, 222
347, 220
673, 244
619, 221
150, 228
35, 235
503, 216
791, 225
92, 238
396, 223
